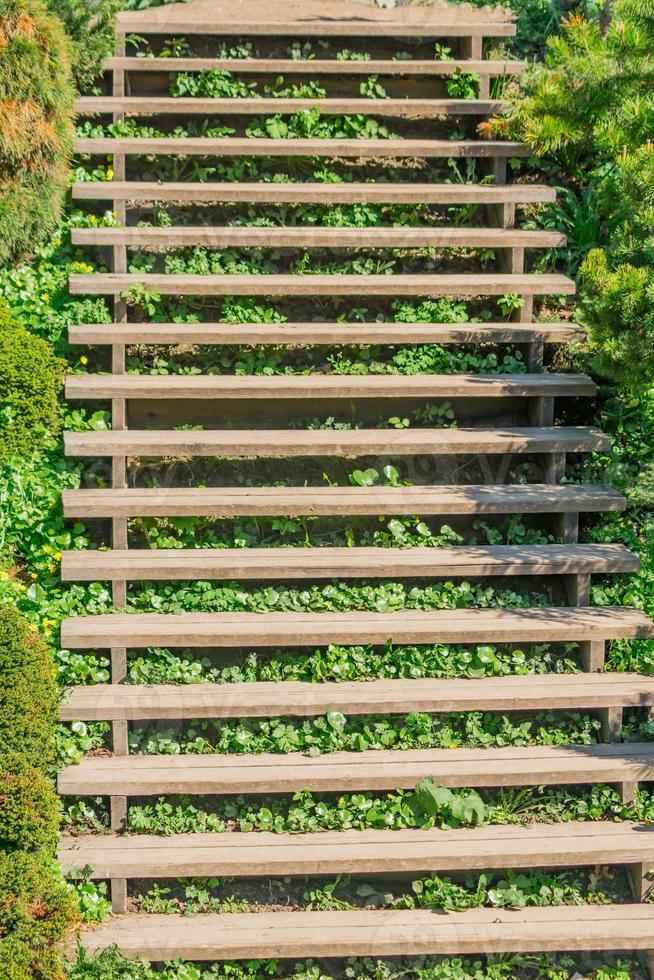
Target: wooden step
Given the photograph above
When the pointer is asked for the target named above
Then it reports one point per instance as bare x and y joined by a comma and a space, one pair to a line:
448, 284
295, 935
235, 146
359, 852
226, 630
341, 501
315, 386
332, 562
327, 334
309, 20
408, 108
317, 66
303, 699
347, 443
268, 192
372, 770
212, 236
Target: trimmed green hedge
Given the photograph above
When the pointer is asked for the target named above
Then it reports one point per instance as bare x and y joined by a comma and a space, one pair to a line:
36, 123
30, 379
29, 808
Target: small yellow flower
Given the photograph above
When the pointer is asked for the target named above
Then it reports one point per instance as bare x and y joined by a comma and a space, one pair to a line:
47, 549
453, 745
83, 359
57, 556
110, 173
33, 575
45, 297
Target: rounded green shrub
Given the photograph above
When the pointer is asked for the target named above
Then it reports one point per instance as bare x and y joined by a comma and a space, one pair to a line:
30, 379
15, 960
36, 909
36, 123
29, 808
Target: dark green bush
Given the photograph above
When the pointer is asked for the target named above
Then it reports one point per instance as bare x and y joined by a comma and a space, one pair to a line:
90, 27
36, 909
36, 123
15, 960
29, 808
30, 379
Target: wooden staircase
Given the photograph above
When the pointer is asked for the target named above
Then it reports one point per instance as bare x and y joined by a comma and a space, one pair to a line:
510, 416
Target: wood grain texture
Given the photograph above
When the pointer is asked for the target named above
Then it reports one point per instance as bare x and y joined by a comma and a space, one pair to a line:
329, 334
234, 146
341, 772
267, 192
353, 443
320, 629
340, 501
293, 935
314, 386
303, 699
317, 66
160, 564
318, 237
461, 285
409, 108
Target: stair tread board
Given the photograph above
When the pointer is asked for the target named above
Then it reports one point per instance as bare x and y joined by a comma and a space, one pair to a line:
265, 146
307, 501
560, 624
358, 771
326, 386
317, 237
104, 702
317, 66
294, 935
268, 443
466, 284
328, 562
267, 192
409, 108
336, 852
332, 334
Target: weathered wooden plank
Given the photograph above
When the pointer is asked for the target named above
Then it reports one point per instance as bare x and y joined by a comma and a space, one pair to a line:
340, 501
318, 66
383, 769
359, 852
332, 334
275, 443
234, 146
464, 285
300, 699
333, 562
307, 629
408, 108
314, 386
294, 935
267, 192
317, 237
